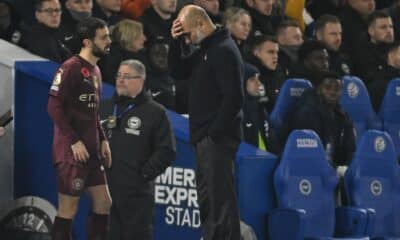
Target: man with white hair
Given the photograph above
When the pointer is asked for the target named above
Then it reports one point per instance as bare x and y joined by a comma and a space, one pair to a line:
143, 146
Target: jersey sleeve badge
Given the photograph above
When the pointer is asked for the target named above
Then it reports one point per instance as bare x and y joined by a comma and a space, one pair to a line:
57, 80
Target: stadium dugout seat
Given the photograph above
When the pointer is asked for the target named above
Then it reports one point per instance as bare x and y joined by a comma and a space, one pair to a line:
305, 185
372, 181
289, 94
389, 112
356, 102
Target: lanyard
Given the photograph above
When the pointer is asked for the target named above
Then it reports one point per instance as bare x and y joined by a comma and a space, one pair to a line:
127, 109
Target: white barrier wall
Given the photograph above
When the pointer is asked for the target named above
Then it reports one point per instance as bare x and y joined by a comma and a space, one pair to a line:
8, 55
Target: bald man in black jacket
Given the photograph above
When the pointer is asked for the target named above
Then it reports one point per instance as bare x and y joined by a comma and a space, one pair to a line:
215, 71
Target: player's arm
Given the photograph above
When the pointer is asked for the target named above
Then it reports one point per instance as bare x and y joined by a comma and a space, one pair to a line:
56, 112
59, 92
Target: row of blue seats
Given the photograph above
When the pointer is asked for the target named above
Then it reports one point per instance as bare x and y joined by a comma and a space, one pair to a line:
305, 185
355, 101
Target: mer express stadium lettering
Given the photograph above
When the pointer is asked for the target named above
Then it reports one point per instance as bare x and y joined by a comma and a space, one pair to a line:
176, 188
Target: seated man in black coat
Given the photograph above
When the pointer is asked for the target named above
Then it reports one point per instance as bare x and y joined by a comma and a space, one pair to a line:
369, 56
319, 110
160, 83
394, 12
354, 22
313, 61
253, 112
73, 12
264, 56
10, 23
290, 38
43, 38
328, 30
157, 22
261, 16
377, 87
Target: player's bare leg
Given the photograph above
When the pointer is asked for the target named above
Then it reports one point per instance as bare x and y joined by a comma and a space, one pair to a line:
98, 219
67, 208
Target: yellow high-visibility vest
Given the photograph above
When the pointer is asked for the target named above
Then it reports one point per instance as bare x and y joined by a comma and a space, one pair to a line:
294, 9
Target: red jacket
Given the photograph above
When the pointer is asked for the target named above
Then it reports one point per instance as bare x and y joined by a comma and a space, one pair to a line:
134, 8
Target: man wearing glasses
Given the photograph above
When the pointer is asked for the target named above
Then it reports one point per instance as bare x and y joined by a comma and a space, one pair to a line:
44, 38
142, 146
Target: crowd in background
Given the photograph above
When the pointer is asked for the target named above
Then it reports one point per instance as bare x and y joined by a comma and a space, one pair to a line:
278, 39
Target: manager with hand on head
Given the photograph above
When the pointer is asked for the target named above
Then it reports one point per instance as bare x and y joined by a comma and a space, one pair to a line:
208, 56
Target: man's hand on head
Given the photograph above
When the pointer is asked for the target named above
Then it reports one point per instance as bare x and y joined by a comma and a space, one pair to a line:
176, 29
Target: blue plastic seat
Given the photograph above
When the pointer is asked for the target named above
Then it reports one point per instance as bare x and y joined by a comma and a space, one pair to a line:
356, 102
372, 181
389, 112
290, 93
305, 185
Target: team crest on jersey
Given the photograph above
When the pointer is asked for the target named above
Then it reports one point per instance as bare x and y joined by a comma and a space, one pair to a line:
78, 184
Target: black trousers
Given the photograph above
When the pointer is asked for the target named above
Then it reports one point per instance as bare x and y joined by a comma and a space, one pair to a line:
132, 218
215, 188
